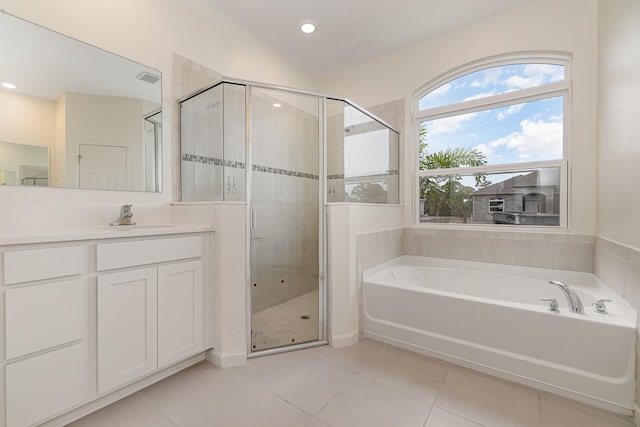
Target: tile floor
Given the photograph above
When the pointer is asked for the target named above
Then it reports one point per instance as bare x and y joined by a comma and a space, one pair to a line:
368, 384
283, 324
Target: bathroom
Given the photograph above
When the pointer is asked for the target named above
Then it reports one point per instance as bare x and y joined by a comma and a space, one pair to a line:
190, 43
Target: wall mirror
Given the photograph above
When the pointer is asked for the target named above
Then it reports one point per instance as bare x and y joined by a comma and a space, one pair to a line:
75, 116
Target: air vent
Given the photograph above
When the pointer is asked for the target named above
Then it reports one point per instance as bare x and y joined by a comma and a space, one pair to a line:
147, 77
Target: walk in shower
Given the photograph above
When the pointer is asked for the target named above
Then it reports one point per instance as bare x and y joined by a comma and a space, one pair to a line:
286, 153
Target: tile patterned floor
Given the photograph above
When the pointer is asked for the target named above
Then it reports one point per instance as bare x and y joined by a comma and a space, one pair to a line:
284, 324
366, 385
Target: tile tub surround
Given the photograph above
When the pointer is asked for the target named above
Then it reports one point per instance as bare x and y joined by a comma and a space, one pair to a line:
619, 267
367, 384
544, 250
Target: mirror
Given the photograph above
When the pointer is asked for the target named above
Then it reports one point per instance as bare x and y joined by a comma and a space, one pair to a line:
78, 116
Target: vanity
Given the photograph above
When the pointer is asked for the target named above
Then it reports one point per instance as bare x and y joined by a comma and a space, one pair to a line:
92, 314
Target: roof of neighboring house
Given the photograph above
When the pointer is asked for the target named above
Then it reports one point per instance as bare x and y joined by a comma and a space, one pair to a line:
510, 185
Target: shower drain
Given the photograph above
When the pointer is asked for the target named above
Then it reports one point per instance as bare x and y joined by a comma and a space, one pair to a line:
305, 317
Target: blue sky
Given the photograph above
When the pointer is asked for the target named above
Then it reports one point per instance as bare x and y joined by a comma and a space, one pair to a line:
523, 132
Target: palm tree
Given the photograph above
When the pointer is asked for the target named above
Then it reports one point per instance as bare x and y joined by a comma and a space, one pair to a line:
445, 195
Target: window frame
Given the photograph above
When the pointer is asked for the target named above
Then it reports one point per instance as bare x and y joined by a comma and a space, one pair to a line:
499, 207
546, 91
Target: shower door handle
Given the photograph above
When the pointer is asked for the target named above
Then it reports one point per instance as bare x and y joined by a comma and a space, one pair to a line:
253, 219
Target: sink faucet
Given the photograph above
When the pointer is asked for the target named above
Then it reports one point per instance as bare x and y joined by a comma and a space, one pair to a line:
126, 216
575, 305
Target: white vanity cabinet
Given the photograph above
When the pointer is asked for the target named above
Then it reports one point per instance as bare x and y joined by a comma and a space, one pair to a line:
90, 319
127, 326
45, 332
180, 316
150, 309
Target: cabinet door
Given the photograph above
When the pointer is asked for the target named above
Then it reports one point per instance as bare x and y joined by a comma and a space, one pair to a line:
179, 311
45, 385
44, 316
127, 326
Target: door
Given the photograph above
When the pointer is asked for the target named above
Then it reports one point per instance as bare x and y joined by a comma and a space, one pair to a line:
179, 311
103, 167
127, 326
285, 219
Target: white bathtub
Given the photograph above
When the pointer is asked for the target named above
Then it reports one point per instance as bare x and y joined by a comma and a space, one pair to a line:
489, 317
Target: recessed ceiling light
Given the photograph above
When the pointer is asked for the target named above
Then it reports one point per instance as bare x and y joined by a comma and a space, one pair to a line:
276, 105
307, 26
9, 85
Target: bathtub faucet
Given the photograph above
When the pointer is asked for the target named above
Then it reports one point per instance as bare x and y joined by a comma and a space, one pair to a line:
572, 297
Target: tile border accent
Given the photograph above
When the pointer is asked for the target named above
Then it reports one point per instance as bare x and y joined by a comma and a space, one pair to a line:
278, 171
194, 158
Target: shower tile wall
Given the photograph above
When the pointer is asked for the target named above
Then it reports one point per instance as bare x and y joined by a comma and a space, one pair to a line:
285, 157
213, 145
335, 151
188, 76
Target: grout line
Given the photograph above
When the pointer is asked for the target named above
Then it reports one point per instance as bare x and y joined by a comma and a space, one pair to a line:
540, 408
156, 408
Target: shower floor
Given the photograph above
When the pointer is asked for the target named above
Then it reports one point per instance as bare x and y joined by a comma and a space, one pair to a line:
291, 322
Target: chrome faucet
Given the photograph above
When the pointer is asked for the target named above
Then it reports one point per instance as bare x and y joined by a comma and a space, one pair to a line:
575, 305
126, 216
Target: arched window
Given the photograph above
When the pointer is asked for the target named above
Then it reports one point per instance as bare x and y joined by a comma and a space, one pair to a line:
494, 131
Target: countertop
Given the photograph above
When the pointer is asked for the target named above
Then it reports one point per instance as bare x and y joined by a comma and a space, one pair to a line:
26, 235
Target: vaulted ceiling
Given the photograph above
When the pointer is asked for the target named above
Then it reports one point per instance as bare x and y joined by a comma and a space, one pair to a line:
353, 31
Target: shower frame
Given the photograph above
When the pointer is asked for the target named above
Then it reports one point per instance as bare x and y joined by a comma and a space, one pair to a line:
323, 319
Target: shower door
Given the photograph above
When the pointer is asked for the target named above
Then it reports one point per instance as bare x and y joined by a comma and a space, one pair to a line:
285, 219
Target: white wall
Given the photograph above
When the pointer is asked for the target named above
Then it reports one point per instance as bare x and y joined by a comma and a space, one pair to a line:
149, 31
27, 120
103, 120
344, 223
544, 25
618, 205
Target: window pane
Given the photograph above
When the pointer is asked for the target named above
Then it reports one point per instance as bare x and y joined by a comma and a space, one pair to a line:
529, 197
362, 164
492, 81
526, 132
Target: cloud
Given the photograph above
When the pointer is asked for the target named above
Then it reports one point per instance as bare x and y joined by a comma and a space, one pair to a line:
440, 91
514, 109
491, 77
534, 75
536, 140
448, 125
480, 95
484, 149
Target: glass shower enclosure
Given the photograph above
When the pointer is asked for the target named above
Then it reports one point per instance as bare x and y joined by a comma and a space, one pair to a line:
266, 146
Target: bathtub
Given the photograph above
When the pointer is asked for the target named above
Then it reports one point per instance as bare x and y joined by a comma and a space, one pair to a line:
489, 317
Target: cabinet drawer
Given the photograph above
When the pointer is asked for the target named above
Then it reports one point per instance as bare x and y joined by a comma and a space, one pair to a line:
51, 263
43, 316
45, 385
140, 252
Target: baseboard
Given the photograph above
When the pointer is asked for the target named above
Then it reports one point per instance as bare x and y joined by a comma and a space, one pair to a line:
121, 393
225, 360
344, 340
